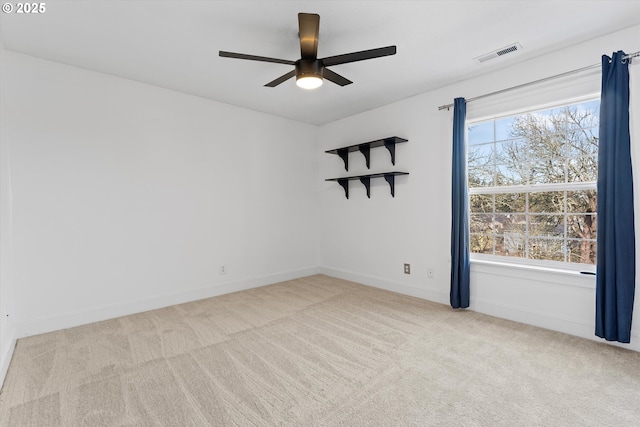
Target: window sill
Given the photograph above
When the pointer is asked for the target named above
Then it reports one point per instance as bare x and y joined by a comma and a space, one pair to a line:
558, 276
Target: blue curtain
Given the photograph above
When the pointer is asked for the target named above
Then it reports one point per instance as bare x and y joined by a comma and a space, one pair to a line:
616, 255
459, 295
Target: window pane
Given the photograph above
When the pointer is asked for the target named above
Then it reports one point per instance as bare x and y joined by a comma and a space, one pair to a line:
481, 243
481, 165
582, 169
503, 128
478, 133
511, 202
549, 171
582, 142
546, 225
585, 201
499, 250
508, 175
481, 223
514, 244
583, 115
480, 154
583, 252
512, 156
546, 202
511, 223
548, 249
481, 177
581, 226
481, 203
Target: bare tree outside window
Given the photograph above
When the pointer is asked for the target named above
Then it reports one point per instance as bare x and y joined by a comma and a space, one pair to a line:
532, 184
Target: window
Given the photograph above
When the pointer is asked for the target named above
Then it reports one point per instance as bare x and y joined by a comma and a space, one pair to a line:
532, 184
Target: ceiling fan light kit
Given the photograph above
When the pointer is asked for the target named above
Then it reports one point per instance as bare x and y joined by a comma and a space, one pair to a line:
309, 82
308, 74
309, 69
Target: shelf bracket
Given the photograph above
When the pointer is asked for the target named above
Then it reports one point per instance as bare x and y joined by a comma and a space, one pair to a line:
345, 184
365, 149
344, 155
366, 181
391, 179
391, 146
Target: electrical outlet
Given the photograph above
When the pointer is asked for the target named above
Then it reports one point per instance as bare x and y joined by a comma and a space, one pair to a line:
407, 269
223, 269
430, 273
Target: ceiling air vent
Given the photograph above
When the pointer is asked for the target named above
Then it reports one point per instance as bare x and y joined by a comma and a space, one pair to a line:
514, 47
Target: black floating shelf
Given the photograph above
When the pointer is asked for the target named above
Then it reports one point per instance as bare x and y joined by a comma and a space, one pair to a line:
390, 177
364, 148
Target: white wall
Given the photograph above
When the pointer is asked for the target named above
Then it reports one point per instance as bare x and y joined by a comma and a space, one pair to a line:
7, 331
127, 197
368, 240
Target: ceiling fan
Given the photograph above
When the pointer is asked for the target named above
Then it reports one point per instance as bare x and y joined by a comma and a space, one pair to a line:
309, 69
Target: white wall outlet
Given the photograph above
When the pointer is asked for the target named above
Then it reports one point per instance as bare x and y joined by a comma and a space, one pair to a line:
407, 269
223, 269
430, 273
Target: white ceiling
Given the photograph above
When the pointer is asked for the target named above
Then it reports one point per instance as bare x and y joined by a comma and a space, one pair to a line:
175, 44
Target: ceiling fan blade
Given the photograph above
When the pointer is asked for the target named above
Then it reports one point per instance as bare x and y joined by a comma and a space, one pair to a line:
309, 27
335, 77
255, 58
281, 79
359, 56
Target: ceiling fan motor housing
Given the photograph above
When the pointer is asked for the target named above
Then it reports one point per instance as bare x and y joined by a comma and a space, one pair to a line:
308, 68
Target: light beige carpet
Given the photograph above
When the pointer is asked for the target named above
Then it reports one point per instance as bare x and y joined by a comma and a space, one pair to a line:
317, 351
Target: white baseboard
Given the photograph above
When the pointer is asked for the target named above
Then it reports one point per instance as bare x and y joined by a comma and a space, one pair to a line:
95, 314
569, 326
6, 353
378, 282
516, 314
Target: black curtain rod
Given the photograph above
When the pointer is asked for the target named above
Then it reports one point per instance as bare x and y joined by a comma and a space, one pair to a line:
568, 73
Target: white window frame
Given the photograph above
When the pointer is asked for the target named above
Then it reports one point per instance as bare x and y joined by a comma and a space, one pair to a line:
528, 188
